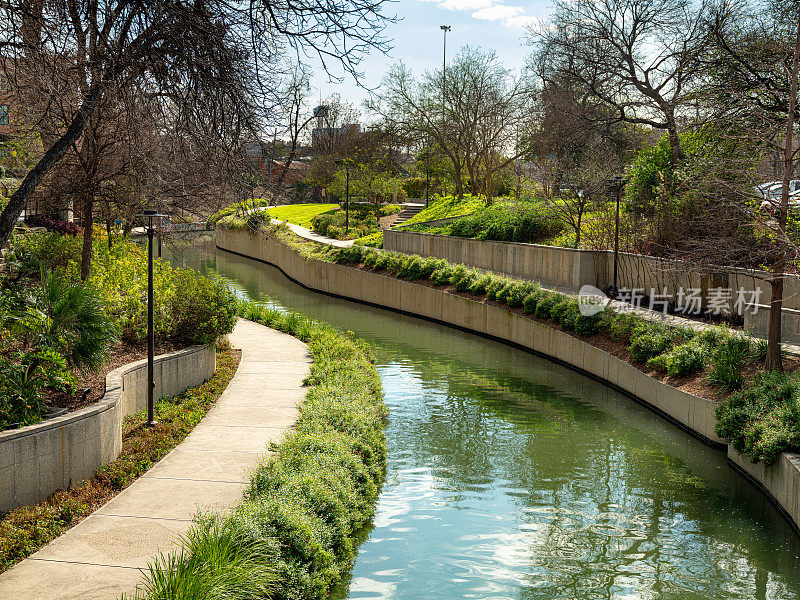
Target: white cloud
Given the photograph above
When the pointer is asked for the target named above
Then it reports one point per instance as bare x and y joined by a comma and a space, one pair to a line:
464, 4
490, 10
498, 12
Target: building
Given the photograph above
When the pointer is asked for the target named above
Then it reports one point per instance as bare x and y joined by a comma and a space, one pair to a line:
325, 137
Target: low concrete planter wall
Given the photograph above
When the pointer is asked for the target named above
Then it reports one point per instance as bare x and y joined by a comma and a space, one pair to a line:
691, 413
569, 269
40, 459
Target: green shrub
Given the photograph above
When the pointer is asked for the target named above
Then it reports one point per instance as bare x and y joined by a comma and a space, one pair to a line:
591, 324
464, 284
623, 325
516, 296
480, 284
531, 300
648, 340
204, 308
684, 359
381, 261
370, 258
442, 274
498, 282
429, 266
507, 221
353, 254
239, 209
546, 304
559, 307
413, 268
457, 274
35, 251
503, 293
762, 420
373, 240
569, 315
23, 379
727, 360
396, 263
362, 222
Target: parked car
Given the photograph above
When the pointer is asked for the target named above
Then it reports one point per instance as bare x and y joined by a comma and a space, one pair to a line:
774, 189
772, 203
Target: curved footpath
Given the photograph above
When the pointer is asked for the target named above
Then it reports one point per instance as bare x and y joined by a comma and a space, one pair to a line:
100, 557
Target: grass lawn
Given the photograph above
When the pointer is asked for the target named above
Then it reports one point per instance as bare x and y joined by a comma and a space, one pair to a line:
300, 214
446, 207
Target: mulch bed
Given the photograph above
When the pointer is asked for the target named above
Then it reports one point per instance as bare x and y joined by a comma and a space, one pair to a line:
121, 354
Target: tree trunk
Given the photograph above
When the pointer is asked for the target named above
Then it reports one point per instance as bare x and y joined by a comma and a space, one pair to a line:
578, 231
86, 253
108, 232
675, 146
12, 211
773, 360
458, 181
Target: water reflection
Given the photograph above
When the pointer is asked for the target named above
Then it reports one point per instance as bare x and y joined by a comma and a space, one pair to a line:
512, 477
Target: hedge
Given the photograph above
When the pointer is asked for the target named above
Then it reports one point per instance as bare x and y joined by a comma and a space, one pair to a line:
294, 535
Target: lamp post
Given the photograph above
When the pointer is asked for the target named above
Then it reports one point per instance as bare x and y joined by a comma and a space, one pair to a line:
616, 184
343, 161
149, 215
445, 29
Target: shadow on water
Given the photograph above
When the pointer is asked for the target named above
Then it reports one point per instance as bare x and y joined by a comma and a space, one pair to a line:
512, 477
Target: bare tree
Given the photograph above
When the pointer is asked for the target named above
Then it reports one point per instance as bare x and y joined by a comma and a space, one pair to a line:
473, 120
753, 85
211, 62
639, 58
297, 117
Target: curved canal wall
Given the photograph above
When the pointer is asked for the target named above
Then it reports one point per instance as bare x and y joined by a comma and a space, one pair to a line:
781, 481
40, 459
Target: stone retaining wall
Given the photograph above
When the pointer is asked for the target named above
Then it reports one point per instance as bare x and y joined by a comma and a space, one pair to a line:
40, 459
689, 412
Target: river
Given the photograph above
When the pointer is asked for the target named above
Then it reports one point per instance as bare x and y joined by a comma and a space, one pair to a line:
511, 477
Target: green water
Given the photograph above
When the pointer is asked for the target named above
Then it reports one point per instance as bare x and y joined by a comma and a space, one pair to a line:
512, 477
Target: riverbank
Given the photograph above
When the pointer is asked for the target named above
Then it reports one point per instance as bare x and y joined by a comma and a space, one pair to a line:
691, 413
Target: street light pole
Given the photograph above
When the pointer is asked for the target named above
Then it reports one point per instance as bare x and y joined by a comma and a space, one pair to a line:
347, 199
618, 184
151, 383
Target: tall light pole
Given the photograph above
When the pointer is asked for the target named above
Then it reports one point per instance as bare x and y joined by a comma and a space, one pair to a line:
616, 185
149, 215
445, 29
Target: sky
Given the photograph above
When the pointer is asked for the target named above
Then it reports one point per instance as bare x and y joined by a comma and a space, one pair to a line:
497, 25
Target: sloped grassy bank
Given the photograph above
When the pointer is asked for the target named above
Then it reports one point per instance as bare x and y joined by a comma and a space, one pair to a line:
292, 537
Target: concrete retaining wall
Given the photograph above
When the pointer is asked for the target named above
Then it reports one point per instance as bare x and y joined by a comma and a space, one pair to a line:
40, 459
569, 269
692, 413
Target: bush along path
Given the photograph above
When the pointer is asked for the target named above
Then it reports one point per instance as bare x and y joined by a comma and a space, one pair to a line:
26, 529
293, 536
101, 557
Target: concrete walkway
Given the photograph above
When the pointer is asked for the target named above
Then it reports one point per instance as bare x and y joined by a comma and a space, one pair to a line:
315, 237
100, 558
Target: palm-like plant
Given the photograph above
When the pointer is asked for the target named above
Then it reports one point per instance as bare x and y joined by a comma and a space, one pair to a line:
71, 318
